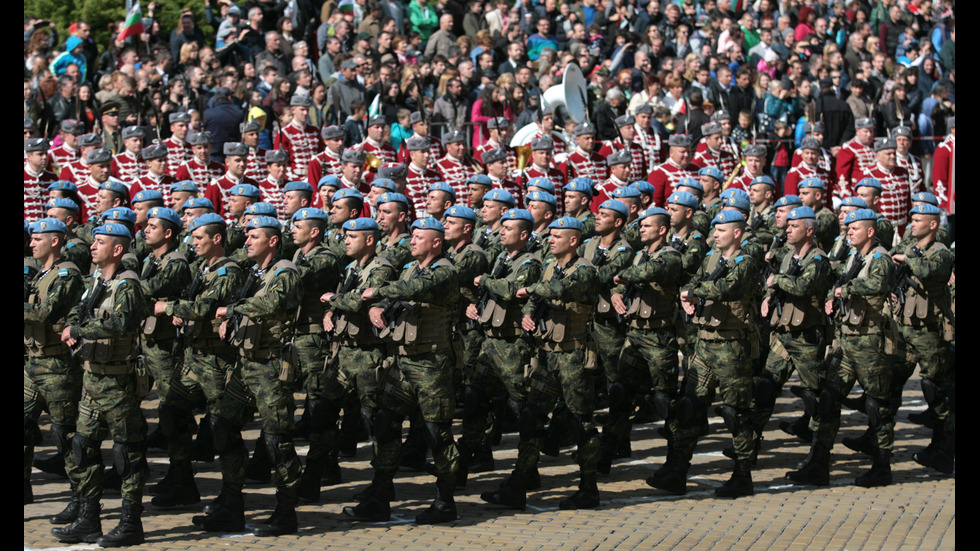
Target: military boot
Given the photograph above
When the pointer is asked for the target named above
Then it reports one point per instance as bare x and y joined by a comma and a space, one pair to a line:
308, 489
512, 494
282, 521
857, 404
799, 428
815, 469
227, 513
331, 470
939, 454
880, 473
414, 449
87, 527
163, 485
867, 443
129, 531
672, 477
463, 464
182, 489
740, 483
443, 508
375, 507
70, 512
482, 461
28, 492
259, 467
587, 496
926, 418
53, 465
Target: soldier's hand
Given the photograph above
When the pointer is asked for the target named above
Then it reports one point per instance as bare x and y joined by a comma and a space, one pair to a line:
328, 321
222, 313
377, 317
768, 254
618, 304
66, 337
829, 308
522, 294
472, 312
688, 307
223, 329
769, 280
477, 280
159, 307
765, 306
618, 280
326, 297
952, 279
178, 322
898, 259
368, 294
837, 292
528, 324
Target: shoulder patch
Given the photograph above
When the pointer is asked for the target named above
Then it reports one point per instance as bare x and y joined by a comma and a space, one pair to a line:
876, 256
739, 259
222, 271
27, 270
528, 261
407, 265
349, 265
70, 244
817, 257
711, 252
63, 272
621, 249
549, 261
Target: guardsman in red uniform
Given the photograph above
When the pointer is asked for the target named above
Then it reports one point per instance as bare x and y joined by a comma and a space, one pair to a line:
374, 142
714, 154
809, 167
854, 158
302, 141
418, 177
327, 163
200, 168
942, 169
36, 178
68, 151
499, 129
497, 169
98, 161
457, 166
619, 174
155, 176
546, 129
217, 190
127, 164
583, 160
77, 171
647, 137
905, 159
724, 118
178, 150
815, 130
625, 125
352, 173
896, 189
421, 128
754, 156
255, 162
276, 162
665, 176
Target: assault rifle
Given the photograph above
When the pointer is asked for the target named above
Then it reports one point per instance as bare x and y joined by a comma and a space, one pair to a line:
779, 296
840, 305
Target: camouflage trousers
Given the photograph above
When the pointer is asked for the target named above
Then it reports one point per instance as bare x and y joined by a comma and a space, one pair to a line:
109, 407
554, 375
162, 358
498, 376
727, 366
923, 345
864, 362
54, 383
213, 379
424, 381
311, 353
609, 338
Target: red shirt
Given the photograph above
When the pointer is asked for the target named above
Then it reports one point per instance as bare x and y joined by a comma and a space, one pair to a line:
638, 168
148, 182
665, 177
36, 192
853, 159
942, 174
417, 188
255, 167
127, 166
200, 173
455, 173
178, 153
302, 142
580, 164
896, 194
326, 163
217, 191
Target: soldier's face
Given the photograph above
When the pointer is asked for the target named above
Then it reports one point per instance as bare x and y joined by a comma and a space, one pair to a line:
258, 244
235, 164
651, 228
104, 200
541, 157
203, 243
436, 203
133, 144
293, 201
586, 141
335, 144
425, 242
781, 213
575, 201
302, 232
352, 171
420, 158
141, 209
714, 141
497, 169
42, 244
621, 171
679, 215
809, 156
923, 224
104, 248
563, 241
868, 194
477, 191
202, 152
179, 129
389, 216
548, 124
760, 194
277, 170
811, 196
680, 155
605, 221
842, 217
155, 233
492, 211
251, 139
511, 233
540, 210
100, 172
326, 198
356, 243
860, 233
886, 158
903, 143
726, 235
797, 233
456, 228
627, 132
158, 165
456, 149
376, 132
754, 164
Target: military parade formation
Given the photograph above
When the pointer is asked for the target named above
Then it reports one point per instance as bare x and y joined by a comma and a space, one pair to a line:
554, 293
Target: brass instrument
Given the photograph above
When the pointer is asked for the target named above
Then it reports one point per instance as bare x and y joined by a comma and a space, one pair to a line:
731, 177
373, 163
523, 156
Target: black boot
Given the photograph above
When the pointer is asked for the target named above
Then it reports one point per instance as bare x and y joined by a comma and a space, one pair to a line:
414, 450
369, 491
308, 489
180, 491
512, 493
672, 477
163, 485
482, 461
587, 496
799, 428
740, 484
111, 479
867, 443
129, 531
69, 513
857, 404
880, 473
259, 467
939, 454
282, 521
331, 470
87, 527
53, 465
463, 464
156, 439
926, 418
815, 469
376, 507
443, 508
227, 513
204, 442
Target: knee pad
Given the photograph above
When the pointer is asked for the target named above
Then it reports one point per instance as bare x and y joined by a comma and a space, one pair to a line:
930, 390
810, 400
731, 419
227, 436
279, 457
661, 402
85, 451
435, 433
873, 408
687, 411
765, 390
828, 405
323, 415
120, 456
530, 422
61, 441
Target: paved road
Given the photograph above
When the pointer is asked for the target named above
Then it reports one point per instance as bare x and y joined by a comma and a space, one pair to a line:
917, 512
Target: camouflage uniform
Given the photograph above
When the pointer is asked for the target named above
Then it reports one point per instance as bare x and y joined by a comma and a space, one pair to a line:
162, 279
399, 253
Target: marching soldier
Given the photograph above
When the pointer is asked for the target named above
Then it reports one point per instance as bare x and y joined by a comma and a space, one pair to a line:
300, 140
496, 161
578, 198
626, 142
68, 151
870, 189
620, 170
683, 236
347, 204
542, 166
583, 160
808, 167
495, 205
647, 137
180, 192
178, 150
218, 189
75, 249
328, 162
395, 243
498, 128
419, 176
812, 192
754, 160
77, 171
420, 128
441, 196
199, 167
127, 164
714, 153
374, 143
542, 207
155, 177
762, 194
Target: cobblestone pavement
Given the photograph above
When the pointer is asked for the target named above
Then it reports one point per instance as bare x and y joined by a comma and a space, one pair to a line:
917, 512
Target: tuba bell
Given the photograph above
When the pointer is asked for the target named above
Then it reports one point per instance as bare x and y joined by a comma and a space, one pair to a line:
569, 94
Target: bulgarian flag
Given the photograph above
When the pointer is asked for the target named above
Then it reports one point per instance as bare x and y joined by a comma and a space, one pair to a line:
346, 6
375, 107
134, 22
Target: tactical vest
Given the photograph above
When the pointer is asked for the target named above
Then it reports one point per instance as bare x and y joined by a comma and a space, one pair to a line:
466, 289
160, 327
870, 311
265, 336
927, 308
44, 339
355, 327
207, 330
800, 312
656, 305
504, 318
603, 305
311, 310
110, 356
425, 327
568, 324
724, 319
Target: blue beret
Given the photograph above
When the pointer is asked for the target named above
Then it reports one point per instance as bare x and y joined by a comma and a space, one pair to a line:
331, 181
207, 218
501, 196
361, 224
391, 196
861, 214
517, 214
854, 201
428, 224
120, 214
481, 179
310, 213
246, 190
789, 200
49, 225
460, 211
618, 206
926, 197
811, 183
581, 185
147, 195
347, 193
734, 192
738, 201
443, 186
567, 223
61, 203
261, 209
800, 213
63, 185
197, 203
726, 216
184, 185
298, 186
386, 184
869, 182
653, 211
115, 186
690, 182
644, 186
683, 198
626, 191
764, 179
542, 196
163, 213
713, 172
113, 229
543, 183
926, 209
263, 222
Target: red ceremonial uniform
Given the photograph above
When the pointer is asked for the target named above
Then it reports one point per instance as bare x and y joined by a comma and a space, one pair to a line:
303, 142
178, 153
580, 164
217, 191
487, 146
61, 156
604, 191
803, 171
326, 163
127, 166
639, 170
743, 180
896, 194
200, 173
723, 160
76, 172
558, 140
727, 144
255, 167
853, 159
942, 174
455, 173
156, 183
653, 146
271, 191
36, 192
87, 192
825, 161
436, 152
913, 164
417, 188
665, 177
381, 150
512, 187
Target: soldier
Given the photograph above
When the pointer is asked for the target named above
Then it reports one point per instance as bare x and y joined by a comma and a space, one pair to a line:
258, 322
77, 171
859, 299
51, 378
666, 175
498, 128
577, 201
684, 237
416, 316
420, 129
720, 302
842, 248
457, 166
347, 204
620, 164
378, 187
942, 169
543, 166
808, 167
896, 188
300, 140
647, 137
754, 159
558, 316
74, 248
178, 150
441, 196
142, 203
625, 142
103, 328
255, 162
546, 129
374, 143
36, 178
97, 162
180, 192
905, 159
418, 177
352, 172
68, 151
922, 198
542, 207
478, 185
583, 160
127, 165
240, 197
200, 168
630, 196
645, 294
155, 177
127, 217
815, 130
711, 180
854, 158
728, 143
701, 219
495, 205
870, 189
277, 163
328, 162
714, 153
812, 192
762, 194
218, 189
496, 161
